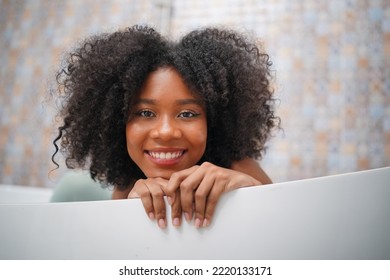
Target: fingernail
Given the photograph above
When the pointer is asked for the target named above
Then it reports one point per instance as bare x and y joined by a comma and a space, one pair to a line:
170, 200
176, 222
198, 223
206, 223
187, 216
161, 223
151, 215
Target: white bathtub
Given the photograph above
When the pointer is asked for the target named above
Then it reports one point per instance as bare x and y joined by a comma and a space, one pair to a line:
12, 194
336, 217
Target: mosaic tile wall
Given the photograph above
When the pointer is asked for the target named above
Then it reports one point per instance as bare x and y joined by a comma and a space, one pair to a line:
331, 62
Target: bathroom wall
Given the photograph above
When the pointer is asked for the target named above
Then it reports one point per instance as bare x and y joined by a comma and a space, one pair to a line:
331, 62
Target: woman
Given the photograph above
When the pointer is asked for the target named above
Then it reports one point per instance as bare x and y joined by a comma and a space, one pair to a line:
156, 118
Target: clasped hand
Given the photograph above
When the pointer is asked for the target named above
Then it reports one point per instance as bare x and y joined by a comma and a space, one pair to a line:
193, 192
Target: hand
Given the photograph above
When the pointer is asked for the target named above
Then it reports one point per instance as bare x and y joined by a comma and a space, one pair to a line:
152, 196
200, 189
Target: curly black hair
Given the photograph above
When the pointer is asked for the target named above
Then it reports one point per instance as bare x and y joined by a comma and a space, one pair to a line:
103, 76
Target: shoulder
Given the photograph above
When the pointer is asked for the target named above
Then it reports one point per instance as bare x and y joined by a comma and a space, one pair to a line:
120, 194
251, 167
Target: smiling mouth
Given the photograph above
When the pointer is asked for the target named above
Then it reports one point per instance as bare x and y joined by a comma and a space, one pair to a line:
165, 155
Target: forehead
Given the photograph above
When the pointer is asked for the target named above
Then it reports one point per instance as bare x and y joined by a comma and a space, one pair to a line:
166, 83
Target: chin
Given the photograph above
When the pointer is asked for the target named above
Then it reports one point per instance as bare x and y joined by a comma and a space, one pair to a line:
166, 174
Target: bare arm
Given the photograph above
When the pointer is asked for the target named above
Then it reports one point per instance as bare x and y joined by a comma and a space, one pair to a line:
192, 187
118, 194
248, 166
252, 168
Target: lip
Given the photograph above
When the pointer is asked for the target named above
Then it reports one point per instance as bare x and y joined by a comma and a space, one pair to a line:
165, 156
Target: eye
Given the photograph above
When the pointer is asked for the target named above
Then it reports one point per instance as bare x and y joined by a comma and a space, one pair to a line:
145, 114
188, 114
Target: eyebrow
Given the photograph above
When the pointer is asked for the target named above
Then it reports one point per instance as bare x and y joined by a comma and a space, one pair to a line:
178, 102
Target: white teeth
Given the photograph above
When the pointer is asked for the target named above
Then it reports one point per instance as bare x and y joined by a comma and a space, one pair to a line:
166, 155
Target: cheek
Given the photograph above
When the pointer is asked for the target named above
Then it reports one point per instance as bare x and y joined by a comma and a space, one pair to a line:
201, 138
198, 136
134, 136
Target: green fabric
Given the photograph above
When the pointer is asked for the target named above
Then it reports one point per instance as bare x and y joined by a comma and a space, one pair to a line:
75, 186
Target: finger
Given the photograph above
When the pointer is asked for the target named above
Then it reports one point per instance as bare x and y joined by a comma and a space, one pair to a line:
140, 190
157, 195
212, 201
175, 181
187, 191
201, 196
176, 210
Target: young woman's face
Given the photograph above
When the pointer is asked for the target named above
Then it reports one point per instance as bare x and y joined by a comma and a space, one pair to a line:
167, 130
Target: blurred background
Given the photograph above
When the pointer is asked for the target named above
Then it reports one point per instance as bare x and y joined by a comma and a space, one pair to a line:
331, 62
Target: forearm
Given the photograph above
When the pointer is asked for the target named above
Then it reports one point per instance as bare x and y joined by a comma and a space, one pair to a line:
252, 168
119, 194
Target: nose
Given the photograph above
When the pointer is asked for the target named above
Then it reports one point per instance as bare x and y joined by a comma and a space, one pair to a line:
166, 128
